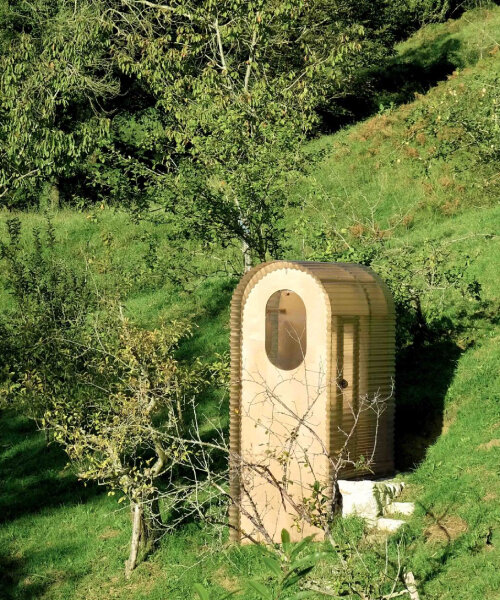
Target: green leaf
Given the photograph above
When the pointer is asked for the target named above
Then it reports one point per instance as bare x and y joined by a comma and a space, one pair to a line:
294, 576
272, 564
230, 595
307, 560
201, 591
261, 589
301, 545
285, 537
300, 595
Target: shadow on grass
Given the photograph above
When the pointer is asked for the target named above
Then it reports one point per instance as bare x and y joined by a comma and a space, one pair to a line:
19, 582
424, 373
396, 82
423, 376
417, 70
12, 573
33, 475
211, 334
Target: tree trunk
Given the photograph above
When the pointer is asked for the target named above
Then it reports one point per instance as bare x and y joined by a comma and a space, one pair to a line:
247, 259
335, 505
138, 531
155, 523
146, 532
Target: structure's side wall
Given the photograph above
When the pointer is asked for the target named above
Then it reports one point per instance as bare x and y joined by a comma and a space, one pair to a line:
364, 334
375, 426
235, 401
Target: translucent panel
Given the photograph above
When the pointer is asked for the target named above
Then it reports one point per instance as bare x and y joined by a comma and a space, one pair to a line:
286, 333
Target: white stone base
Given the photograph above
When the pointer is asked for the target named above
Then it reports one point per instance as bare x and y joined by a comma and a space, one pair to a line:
400, 508
389, 525
372, 500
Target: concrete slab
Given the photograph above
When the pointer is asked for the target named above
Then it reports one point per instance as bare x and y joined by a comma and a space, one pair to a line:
368, 498
389, 525
400, 508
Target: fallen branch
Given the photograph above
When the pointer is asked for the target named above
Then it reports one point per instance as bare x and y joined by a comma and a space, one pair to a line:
411, 585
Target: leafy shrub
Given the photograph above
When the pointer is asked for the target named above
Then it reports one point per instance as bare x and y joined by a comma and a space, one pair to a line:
52, 304
112, 394
424, 282
285, 567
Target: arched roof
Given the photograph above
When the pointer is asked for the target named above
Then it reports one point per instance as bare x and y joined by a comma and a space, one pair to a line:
352, 288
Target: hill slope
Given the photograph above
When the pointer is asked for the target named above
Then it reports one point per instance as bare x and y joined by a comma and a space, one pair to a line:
422, 181
414, 191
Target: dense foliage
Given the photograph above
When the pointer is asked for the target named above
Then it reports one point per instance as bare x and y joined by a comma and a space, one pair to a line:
199, 108
54, 77
207, 152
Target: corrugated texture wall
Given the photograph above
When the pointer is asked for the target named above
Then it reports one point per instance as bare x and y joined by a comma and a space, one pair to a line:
362, 333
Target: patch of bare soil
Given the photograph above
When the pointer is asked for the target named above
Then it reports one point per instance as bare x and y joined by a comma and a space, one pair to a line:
226, 581
488, 445
490, 497
446, 529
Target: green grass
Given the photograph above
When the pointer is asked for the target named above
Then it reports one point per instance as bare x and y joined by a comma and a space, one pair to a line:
433, 157
61, 540
380, 182
459, 508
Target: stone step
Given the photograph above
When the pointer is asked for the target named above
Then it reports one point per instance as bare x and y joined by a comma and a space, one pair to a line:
368, 498
400, 508
389, 525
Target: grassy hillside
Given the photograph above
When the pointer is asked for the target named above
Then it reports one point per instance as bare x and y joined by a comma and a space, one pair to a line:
415, 183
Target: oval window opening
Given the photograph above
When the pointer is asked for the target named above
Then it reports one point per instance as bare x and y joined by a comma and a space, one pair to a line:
286, 334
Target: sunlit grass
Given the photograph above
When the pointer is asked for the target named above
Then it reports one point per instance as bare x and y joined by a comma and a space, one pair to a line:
60, 540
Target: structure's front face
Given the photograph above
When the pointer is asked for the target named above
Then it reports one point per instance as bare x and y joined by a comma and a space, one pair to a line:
284, 396
311, 342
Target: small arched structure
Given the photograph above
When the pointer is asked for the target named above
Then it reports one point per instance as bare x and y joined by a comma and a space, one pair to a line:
312, 352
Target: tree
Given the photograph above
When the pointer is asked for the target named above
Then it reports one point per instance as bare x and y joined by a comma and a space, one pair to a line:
236, 86
121, 428
52, 301
112, 394
55, 74
199, 108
